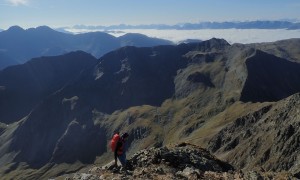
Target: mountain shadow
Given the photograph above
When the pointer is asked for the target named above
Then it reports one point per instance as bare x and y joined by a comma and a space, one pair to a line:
270, 78
24, 86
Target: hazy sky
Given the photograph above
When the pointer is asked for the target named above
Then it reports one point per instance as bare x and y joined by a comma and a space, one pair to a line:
58, 13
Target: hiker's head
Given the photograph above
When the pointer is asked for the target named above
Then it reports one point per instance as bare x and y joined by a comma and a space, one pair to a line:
125, 136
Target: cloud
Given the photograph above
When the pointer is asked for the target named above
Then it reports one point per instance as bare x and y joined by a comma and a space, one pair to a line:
231, 35
18, 2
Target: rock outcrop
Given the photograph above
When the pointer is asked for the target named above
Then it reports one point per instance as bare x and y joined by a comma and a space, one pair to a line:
181, 161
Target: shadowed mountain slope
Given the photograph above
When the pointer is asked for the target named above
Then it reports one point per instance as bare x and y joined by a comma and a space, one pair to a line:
270, 78
24, 86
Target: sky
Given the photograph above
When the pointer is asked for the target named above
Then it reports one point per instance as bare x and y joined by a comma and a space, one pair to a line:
62, 13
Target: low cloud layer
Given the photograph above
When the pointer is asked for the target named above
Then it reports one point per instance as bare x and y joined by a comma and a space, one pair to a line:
231, 35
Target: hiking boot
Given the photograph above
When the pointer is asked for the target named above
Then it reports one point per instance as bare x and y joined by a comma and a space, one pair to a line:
115, 170
122, 169
111, 167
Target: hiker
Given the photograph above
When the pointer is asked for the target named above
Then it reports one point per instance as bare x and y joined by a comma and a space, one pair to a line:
113, 143
120, 150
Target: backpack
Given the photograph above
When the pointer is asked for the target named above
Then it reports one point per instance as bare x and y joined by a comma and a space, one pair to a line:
114, 141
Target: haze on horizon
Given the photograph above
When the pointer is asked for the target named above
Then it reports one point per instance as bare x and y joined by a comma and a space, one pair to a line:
61, 13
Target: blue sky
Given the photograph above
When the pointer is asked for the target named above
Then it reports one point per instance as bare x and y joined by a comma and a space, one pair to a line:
59, 13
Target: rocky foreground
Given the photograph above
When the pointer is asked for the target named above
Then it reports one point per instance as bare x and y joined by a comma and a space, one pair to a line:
182, 161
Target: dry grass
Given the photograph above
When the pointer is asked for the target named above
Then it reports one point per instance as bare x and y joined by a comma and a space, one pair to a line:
218, 122
23, 171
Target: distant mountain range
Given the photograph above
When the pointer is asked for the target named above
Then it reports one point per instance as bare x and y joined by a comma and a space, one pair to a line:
18, 45
202, 25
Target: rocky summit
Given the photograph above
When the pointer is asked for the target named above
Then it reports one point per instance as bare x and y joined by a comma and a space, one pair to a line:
180, 161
